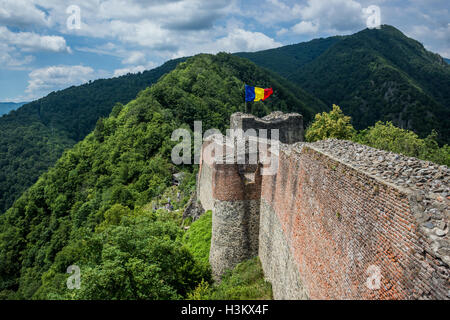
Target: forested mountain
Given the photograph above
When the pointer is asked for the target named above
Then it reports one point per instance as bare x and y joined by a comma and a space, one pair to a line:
447, 60
6, 107
91, 209
285, 60
33, 137
373, 75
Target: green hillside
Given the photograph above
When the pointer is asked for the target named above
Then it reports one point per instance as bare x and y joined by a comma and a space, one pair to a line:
373, 75
92, 209
285, 59
33, 137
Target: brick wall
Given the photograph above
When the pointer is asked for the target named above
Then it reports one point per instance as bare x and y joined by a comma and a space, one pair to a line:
277, 259
338, 222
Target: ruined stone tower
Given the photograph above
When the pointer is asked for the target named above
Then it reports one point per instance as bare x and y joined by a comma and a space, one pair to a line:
290, 125
233, 191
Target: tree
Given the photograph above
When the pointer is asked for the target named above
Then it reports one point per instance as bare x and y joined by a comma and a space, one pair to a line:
99, 130
388, 137
333, 124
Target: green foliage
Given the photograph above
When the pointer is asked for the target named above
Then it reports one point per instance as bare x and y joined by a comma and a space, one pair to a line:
141, 258
198, 238
388, 137
384, 136
92, 208
138, 258
377, 74
245, 282
211, 88
188, 184
113, 216
373, 75
34, 137
286, 59
95, 183
333, 124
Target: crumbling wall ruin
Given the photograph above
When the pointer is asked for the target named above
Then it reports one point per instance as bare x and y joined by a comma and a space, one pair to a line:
337, 220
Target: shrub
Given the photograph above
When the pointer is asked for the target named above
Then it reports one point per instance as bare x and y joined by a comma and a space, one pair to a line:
245, 282
388, 137
333, 124
198, 238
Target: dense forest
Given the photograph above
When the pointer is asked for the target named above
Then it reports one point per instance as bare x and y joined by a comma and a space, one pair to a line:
288, 59
95, 207
33, 137
373, 75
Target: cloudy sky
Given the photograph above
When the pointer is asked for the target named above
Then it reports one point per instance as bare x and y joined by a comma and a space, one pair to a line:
42, 47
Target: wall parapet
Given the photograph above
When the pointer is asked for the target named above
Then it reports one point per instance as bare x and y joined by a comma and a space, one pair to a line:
290, 125
426, 184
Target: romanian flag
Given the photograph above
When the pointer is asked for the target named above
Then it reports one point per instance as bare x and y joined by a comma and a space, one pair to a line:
256, 94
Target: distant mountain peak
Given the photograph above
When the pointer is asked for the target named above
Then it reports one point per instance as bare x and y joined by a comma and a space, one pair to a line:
374, 74
6, 107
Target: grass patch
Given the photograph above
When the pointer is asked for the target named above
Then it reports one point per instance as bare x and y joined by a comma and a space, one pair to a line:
245, 282
198, 238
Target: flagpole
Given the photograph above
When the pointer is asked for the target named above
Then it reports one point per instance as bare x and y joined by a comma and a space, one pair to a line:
245, 99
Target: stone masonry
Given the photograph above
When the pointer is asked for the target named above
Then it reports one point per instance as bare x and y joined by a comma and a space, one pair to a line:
289, 125
337, 220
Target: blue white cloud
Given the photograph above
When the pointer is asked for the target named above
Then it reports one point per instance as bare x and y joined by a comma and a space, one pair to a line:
39, 53
57, 76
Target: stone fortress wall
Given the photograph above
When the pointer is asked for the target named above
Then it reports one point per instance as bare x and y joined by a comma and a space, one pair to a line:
334, 215
290, 125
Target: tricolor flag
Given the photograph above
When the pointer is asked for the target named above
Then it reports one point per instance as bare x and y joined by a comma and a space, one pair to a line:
256, 94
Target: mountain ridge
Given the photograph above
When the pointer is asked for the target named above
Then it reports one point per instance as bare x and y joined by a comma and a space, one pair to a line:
34, 136
45, 131
288, 57
377, 75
